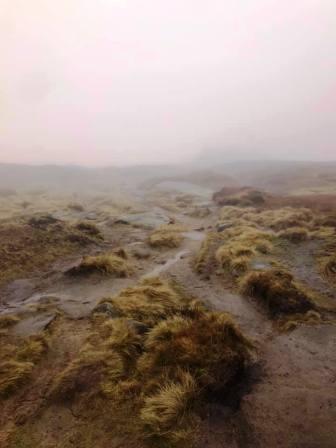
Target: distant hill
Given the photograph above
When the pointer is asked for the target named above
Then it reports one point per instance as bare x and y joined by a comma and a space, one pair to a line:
273, 176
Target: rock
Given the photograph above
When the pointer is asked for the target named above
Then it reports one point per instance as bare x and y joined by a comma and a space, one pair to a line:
139, 250
20, 289
223, 226
141, 254
146, 220
107, 308
120, 252
139, 327
260, 265
91, 216
48, 300
42, 221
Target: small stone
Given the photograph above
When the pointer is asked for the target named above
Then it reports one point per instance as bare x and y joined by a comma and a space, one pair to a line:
223, 226
107, 308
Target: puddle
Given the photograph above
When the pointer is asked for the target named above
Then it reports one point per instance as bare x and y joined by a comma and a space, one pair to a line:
194, 235
161, 268
147, 220
260, 265
184, 187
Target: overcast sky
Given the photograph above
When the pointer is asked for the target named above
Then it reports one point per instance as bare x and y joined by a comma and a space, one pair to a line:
99, 82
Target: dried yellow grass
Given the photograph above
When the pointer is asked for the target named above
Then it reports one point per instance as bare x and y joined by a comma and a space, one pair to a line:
106, 264
169, 235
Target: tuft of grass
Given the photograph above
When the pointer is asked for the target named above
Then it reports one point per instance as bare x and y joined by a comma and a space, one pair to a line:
125, 340
264, 247
7, 320
329, 267
18, 361
106, 264
167, 236
183, 342
76, 207
170, 406
32, 349
149, 302
295, 234
89, 228
241, 245
277, 290
205, 258
13, 373
293, 321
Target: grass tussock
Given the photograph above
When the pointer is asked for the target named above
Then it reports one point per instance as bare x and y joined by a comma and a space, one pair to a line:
89, 228
199, 212
295, 234
277, 290
148, 302
17, 362
239, 196
169, 235
170, 407
291, 322
164, 355
13, 374
205, 259
76, 207
8, 320
329, 267
241, 245
106, 264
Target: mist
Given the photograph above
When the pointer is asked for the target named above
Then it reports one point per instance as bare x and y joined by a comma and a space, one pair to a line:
110, 82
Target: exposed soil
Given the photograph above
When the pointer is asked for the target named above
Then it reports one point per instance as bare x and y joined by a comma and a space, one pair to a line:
300, 258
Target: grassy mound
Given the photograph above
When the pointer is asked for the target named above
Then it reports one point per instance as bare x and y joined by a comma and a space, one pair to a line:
276, 219
106, 264
277, 290
89, 228
167, 236
149, 302
241, 245
295, 234
31, 245
162, 358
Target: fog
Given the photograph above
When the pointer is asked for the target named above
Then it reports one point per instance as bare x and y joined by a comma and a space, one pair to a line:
118, 82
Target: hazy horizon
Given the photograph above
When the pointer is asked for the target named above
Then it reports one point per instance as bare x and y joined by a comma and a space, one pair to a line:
115, 83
